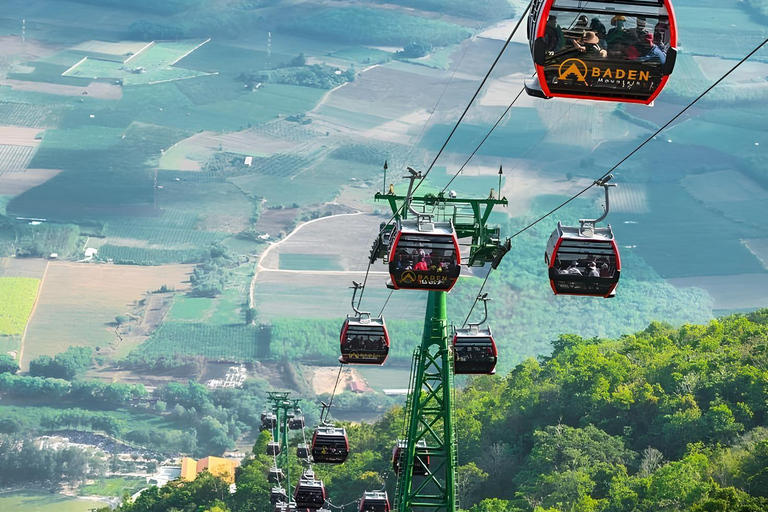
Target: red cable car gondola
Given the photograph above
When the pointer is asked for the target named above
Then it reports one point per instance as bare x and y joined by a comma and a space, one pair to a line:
422, 458
474, 351
309, 493
424, 255
374, 501
607, 50
584, 260
330, 444
364, 340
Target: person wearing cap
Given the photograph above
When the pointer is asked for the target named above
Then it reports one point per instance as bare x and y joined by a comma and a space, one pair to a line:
639, 32
573, 268
592, 269
617, 33
649, 51
590, 46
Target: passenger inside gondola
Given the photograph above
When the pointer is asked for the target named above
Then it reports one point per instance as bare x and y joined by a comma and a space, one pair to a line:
619, 43
602, 266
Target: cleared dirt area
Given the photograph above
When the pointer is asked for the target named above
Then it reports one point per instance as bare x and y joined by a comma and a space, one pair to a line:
522, 186
320, 238
96, 90
16, 183
745, 291
724, 186
323, 378
78, 303
18, 136
13, 47
22, 267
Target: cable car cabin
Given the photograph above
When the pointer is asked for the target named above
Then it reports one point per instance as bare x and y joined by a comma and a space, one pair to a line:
278, 494
296, 423
302, 451
268, 421
310, 493
273, 449
275, 475
583, 261
607, 50
424, 256
375, 501
330, 445
474, 351
422, 459
364, 340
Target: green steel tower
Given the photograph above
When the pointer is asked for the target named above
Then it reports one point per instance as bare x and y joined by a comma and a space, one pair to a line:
283, 408
429, 425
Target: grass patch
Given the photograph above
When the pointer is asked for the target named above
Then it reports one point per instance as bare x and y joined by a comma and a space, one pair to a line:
113, 486
155, 64
309, 262
375, 27
43, 501
18, 296
363, 55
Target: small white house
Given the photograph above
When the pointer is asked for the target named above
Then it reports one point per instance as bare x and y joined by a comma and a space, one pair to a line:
248, 160
90, 253
53, 256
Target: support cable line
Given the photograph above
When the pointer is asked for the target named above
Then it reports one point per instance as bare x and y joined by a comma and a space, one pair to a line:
474, 97
650, 138
453, 131
506, 111
602, 179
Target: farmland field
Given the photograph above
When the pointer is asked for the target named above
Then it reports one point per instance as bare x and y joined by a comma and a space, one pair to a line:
113, 486
154, 62
15, 158
18, 295
234, 342
43, 501
78, 303
290, 261
30, 114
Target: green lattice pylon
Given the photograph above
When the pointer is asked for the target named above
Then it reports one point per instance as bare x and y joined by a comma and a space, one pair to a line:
281, 406
430, 420
429, 409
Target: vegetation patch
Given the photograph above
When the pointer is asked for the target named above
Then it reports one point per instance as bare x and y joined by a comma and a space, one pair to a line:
18, 297
375, 27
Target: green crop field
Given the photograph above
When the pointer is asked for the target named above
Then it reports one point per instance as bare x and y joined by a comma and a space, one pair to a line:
219, 342
85, 137
363, 55
309, 262
113, 486
30, 114
171, 229
152, 65
42, 501
18, 295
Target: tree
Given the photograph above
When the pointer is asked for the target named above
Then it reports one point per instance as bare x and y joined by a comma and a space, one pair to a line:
8, 364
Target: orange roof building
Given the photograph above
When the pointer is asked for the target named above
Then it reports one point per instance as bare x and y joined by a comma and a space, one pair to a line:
217, 466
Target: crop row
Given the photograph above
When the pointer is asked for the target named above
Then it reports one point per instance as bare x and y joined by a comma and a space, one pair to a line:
15, 158
149, 256
235, 342
27, 114
18, 297
173, 228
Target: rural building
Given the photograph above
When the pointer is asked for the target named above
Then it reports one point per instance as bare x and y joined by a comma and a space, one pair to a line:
248, 160
215, 465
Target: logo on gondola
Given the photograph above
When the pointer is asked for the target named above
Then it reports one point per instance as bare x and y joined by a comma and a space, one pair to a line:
574, 67
408, 277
